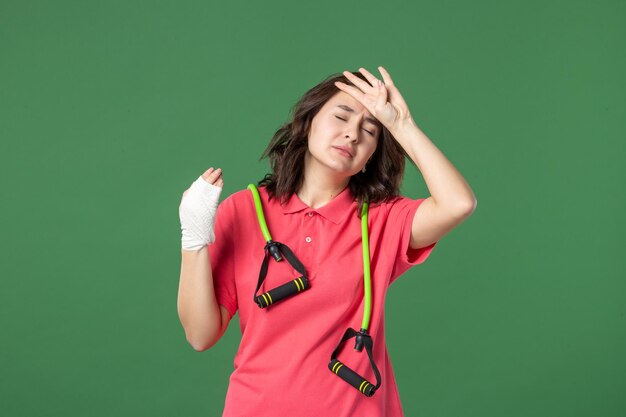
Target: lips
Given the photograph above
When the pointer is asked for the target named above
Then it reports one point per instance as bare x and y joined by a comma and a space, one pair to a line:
344, 150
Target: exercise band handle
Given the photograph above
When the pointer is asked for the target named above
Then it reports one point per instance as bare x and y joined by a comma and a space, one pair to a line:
344, 372
282, 292
286, 290
352, 378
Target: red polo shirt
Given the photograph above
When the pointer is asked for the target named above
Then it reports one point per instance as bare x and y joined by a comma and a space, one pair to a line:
281, 366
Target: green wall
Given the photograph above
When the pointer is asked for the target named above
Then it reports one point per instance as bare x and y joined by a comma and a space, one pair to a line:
109, 110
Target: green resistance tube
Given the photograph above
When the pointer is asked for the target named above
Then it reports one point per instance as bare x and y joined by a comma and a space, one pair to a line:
259, 212
367, 283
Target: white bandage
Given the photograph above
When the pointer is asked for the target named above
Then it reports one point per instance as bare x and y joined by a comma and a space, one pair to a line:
197, 214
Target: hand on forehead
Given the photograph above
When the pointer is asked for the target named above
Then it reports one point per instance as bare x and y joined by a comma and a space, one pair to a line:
346, 99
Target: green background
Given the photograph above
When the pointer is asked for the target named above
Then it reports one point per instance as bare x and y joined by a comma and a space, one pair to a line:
110, 110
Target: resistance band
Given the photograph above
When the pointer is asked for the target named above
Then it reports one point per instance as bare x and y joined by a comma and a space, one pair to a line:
277, 250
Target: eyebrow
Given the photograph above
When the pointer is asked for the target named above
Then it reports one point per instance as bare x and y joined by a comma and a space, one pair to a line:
369, 119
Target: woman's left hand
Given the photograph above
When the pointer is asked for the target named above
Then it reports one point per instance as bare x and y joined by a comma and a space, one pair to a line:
381, 99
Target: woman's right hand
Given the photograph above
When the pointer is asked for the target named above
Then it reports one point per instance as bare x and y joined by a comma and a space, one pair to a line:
197, 209
212, 176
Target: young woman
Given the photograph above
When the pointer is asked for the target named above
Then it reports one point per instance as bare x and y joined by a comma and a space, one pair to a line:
342, 151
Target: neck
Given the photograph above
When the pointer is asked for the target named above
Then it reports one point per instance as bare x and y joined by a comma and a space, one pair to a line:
320, 186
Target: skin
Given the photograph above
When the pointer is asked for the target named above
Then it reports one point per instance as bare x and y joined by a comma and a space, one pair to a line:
452, 200
212, 176
327, 171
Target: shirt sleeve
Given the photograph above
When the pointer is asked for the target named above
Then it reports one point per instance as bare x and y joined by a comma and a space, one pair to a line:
222, 256
400, 219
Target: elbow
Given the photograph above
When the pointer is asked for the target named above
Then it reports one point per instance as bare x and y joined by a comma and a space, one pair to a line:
202, 340
199, 334
458, 208
200, 345
200, 348
467, 208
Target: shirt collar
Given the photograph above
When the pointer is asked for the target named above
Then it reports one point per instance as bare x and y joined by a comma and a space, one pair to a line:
334, 210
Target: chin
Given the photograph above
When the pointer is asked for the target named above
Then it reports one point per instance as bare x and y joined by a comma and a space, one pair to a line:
342, 169
337, 166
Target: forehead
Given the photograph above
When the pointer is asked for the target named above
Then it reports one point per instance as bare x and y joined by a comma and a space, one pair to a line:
345, 102
344, 98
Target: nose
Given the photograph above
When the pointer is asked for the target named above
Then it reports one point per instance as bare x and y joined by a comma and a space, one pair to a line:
352, 132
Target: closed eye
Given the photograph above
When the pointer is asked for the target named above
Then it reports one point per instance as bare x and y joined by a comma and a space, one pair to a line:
371, 133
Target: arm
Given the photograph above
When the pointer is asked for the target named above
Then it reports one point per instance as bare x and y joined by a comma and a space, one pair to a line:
202, 318
451, 201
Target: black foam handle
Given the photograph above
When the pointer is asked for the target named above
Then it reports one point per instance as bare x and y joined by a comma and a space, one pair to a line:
282, 292
352, 378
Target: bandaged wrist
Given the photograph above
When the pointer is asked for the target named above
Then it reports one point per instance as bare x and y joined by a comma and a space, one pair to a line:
197, 214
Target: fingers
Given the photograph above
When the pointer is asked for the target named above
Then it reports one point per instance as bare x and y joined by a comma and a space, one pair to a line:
353, 91
373, 84
357, 81
382, 95
373, 80
386, 77
212, 176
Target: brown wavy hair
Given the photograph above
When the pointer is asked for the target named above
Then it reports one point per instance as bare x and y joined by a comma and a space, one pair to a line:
286, 151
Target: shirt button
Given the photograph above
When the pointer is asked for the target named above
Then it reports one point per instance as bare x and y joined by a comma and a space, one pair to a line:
310, 214
308, 239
